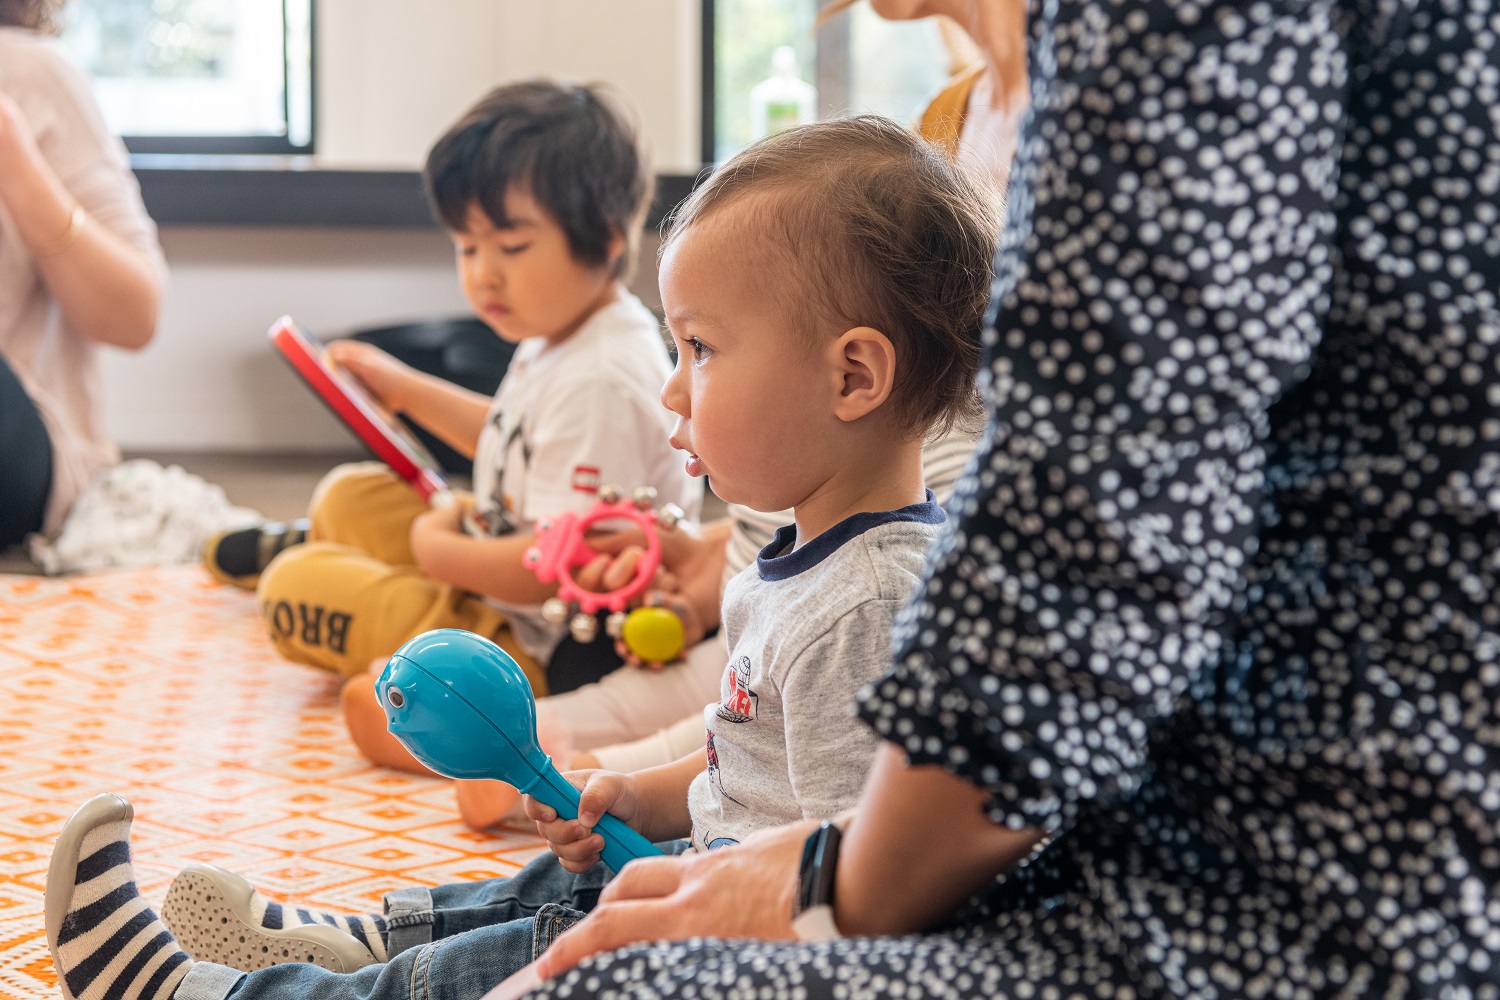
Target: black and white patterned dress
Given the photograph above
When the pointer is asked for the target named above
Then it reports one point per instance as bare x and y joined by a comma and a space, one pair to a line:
1220, 609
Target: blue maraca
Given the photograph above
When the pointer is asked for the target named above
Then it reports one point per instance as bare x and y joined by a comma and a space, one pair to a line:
463, 707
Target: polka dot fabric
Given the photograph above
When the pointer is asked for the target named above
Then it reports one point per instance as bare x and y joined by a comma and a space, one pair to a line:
1219, 611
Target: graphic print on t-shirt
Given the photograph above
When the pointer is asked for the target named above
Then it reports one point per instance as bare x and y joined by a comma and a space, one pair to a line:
498, 511
739, 704
715, 775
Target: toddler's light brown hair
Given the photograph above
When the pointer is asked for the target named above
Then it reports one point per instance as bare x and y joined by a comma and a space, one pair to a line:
865, 224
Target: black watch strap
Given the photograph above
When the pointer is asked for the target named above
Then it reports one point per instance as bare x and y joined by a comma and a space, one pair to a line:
812, 916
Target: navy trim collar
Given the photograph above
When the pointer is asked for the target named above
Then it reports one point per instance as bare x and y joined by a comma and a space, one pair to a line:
773, 567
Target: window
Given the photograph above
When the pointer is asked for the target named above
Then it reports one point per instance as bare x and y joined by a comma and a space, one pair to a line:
856, 62
199, 76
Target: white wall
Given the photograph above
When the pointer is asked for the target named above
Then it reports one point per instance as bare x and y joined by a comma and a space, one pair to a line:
210, 382
389, 82
391, 79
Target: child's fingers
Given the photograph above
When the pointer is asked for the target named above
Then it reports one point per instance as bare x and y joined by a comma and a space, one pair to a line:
623, 652
564, 833
355, 357
580, 858
577, 853
602, 793
604, 572
345, 351
622, 569
590, 576
537, 811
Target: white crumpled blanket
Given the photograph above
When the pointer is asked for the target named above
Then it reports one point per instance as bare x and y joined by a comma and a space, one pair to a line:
139, 514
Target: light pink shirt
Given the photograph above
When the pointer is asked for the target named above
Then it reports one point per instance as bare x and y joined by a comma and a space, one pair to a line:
56, 364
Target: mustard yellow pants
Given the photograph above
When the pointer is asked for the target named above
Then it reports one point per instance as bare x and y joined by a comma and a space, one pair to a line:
352, 593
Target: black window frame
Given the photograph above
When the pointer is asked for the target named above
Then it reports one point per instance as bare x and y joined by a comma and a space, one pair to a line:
708, 120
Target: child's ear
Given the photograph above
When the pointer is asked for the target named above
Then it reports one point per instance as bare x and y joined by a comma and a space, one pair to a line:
615, 249
864, 362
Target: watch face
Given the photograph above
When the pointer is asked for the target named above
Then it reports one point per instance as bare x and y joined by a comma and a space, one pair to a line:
816, 877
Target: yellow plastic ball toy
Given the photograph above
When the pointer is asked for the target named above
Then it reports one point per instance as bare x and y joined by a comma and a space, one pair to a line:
653, 634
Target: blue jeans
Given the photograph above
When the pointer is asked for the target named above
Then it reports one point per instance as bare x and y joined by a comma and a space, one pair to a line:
452, 942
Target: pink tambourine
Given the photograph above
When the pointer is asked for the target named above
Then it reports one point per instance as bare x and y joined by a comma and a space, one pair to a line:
560, 548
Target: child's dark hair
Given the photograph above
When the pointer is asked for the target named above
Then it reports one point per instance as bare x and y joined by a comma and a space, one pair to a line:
573, 149
875, 228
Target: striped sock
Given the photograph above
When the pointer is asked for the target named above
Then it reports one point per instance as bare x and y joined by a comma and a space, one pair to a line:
368, 929
110, 945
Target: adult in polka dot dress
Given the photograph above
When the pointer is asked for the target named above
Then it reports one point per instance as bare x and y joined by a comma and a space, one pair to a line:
1217, 628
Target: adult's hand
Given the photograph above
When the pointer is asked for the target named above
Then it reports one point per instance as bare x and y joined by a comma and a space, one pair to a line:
687, 583
687, 550
607, 572
744, 891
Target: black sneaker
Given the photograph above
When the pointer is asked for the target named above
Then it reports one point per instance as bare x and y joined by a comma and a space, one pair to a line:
239, 557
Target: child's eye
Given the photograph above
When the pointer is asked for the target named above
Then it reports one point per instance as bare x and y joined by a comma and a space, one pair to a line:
513, 250
467, 251
699, 348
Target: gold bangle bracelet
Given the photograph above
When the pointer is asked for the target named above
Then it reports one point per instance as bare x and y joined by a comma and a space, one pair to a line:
67, 239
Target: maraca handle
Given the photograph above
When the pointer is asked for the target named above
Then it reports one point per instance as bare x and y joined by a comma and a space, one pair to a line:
621, 843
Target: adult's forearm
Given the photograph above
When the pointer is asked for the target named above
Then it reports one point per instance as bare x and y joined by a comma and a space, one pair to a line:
109, 291
931, 828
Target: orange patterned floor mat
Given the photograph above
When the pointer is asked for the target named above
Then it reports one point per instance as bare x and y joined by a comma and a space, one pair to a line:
159, 685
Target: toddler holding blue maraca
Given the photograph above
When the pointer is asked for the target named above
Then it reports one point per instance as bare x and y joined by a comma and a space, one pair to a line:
824, 289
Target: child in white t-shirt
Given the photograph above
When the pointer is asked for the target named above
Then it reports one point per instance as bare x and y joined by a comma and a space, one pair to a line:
543, 188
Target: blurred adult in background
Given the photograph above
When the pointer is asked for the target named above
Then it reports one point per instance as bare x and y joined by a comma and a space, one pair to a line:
977, 115
80, 266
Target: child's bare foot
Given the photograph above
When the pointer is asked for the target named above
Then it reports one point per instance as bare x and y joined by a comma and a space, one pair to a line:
367, 727
485, 802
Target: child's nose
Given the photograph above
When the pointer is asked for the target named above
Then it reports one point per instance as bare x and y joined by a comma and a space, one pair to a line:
674, 395
491, 269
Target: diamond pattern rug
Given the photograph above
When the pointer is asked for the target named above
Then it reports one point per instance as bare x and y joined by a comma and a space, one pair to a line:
159, 685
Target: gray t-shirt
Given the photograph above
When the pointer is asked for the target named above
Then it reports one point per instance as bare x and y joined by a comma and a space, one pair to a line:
807, 628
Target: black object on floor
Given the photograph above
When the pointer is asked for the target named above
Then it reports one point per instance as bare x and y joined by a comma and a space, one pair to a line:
463, 351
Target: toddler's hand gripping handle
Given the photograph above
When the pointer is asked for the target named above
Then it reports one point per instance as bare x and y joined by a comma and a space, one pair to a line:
464, 708
621, 843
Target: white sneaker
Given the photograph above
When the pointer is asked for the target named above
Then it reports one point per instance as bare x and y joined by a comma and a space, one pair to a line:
216, 917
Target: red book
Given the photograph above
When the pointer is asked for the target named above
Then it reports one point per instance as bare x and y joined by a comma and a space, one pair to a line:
372, 423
